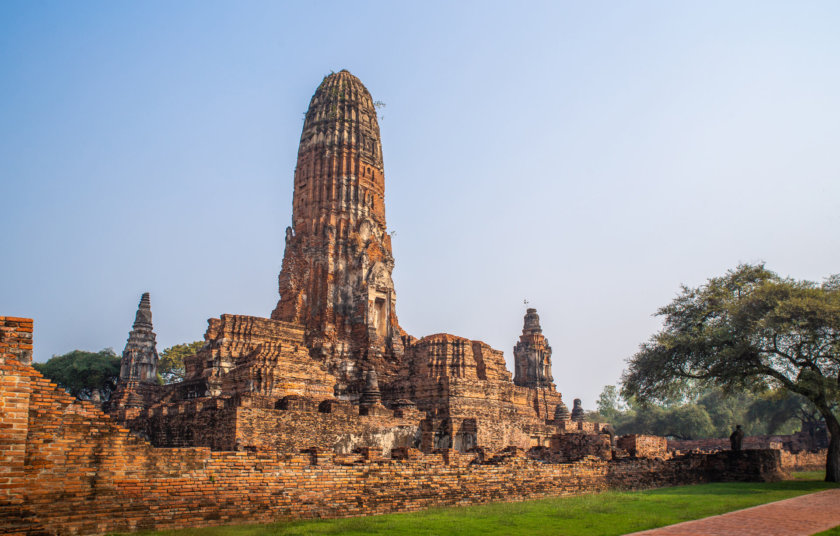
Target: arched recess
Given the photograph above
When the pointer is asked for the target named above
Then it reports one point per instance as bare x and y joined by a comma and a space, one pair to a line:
380, 298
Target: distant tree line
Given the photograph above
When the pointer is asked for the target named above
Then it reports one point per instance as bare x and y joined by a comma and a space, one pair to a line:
706, 412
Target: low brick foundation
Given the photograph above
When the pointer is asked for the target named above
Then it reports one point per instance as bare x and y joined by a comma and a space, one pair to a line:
800, 441
805, 460
643, 446
797, 453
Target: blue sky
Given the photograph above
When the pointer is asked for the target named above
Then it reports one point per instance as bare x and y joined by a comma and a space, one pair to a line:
590, 157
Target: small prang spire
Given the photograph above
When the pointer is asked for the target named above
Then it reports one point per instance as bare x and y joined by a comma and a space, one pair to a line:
532, 355
561, 413
140, 357
143, 319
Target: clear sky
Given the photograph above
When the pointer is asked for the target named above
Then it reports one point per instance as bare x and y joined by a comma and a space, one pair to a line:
588, 156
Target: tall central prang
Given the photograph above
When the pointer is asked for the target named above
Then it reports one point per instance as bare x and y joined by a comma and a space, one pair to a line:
336, 274
332, 368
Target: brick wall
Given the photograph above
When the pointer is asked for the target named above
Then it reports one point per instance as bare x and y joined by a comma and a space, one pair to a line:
16, 339
575, 446
643, 446
69, 469
15, 347
804, 460
793, 442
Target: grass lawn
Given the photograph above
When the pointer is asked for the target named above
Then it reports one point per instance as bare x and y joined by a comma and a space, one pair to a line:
596, 515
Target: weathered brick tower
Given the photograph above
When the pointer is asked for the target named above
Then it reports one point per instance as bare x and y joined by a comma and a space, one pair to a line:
332, 368
532, 355
140, 358
336, 276
138, 386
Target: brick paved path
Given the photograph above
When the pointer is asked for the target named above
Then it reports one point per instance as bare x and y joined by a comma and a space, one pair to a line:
803, 515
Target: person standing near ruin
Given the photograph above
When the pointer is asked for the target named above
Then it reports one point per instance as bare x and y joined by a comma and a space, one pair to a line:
737, 438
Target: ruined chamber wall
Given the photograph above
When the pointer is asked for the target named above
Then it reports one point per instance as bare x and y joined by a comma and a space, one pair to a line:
804, 460
221, 425
342, 433
245, 355
69, 469
469, 396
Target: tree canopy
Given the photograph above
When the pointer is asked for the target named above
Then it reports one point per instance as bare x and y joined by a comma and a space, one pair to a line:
708, 412
171, 364
748, 330
84, 374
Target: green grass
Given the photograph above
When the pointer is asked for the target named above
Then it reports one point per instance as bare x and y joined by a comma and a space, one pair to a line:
809, 475
610, 513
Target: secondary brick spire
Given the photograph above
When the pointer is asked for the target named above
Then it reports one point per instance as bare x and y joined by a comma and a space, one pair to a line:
532, 355
140, 357
336, 275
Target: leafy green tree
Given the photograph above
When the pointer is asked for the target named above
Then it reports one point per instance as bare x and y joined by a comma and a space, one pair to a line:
749, 330
771, 412
686, 421
84, 374
728, 409
782, 412
609, 403
171, 364
689, 421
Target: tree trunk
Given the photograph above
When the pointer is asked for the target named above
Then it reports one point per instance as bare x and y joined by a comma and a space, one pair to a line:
832, 462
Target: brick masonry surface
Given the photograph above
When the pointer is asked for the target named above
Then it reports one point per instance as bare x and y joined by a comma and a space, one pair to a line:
795, 442
67, 468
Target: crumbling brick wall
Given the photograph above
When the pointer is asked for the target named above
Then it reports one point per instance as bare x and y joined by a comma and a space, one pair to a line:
289, 430
70, 469
15, 348
746, 465
575, 446
16, 339
804, 460
794, 442
643, 446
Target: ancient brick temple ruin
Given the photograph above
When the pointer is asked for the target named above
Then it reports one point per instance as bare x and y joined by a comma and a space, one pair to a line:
328, 408
332, 368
